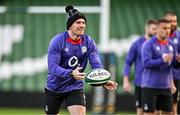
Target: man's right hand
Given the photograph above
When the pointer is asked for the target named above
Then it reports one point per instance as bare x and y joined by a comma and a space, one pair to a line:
77, 74
167, 57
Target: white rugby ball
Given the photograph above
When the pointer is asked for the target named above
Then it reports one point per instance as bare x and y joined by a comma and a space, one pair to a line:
97, 77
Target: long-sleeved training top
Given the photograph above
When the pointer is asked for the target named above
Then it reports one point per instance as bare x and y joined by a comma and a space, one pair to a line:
156, 73
64, 55
134, 56
175, 38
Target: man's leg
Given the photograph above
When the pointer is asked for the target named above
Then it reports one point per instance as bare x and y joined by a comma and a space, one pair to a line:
75, 102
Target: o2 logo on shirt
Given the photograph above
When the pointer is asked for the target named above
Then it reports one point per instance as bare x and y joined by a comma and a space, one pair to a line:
73, 61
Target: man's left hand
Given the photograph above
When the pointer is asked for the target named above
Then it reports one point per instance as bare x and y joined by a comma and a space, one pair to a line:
110, 85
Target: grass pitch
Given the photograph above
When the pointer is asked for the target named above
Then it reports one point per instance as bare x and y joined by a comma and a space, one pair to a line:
39, 111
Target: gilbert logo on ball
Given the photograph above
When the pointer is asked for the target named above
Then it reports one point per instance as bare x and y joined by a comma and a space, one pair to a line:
97, 77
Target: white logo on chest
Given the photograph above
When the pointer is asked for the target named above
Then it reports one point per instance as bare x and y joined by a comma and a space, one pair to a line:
170, 48
73, 61
84, 49
66, 49
175, 41
157, 48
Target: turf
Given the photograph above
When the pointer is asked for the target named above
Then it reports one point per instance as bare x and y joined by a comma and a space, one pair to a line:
21, 111
37, 111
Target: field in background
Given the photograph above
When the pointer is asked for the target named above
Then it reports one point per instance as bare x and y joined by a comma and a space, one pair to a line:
25, 35
35, 111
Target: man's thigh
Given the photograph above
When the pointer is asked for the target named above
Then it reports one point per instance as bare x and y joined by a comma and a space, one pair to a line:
148, 99
165, 100
52, 102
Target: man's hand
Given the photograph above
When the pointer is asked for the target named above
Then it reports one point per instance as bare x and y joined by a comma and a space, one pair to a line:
167, 57
77, 74
126, 85
110, 85
173, 87
178, 58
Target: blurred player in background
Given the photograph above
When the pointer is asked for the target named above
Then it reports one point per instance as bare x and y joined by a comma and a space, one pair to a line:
68, 54
134, 56
175, 38
158, 57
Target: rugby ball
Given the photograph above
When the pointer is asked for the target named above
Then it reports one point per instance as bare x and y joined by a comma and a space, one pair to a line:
97, 77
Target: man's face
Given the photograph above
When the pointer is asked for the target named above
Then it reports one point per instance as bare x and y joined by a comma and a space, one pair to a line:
163, 30
151, 30
173, 21
78, 27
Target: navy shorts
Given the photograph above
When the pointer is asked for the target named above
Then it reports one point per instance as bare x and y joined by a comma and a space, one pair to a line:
176, 95
53, 100
157, 99
138, 95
